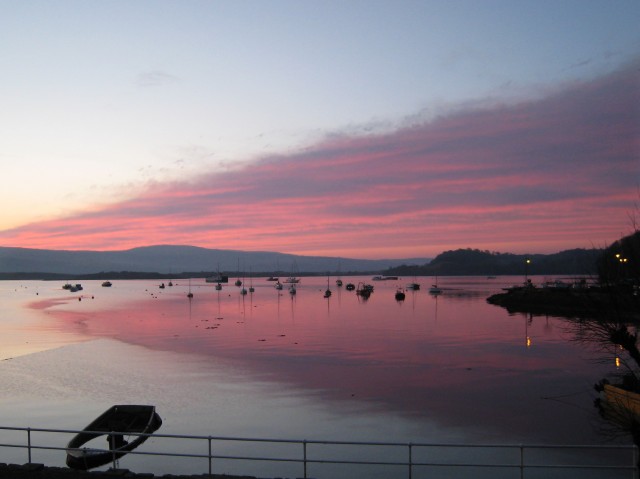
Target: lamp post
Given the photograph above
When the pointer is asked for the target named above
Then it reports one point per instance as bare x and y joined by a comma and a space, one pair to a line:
527, 262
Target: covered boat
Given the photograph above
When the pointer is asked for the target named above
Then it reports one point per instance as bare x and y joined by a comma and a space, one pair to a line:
116, 423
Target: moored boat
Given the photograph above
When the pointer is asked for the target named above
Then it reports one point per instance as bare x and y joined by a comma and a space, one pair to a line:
327, 292
435, 289
115, 423
217, 278
364, 290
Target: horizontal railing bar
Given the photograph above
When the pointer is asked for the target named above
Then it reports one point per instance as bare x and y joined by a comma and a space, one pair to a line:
339, 461
306, 460
326, 442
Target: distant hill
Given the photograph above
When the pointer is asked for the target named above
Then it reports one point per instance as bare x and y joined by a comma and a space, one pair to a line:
173, 260
474, 262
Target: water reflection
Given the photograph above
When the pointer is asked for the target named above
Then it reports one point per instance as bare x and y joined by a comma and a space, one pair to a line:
449, 358
614, 339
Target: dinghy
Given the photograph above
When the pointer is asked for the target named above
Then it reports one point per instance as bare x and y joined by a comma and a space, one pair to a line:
115, 423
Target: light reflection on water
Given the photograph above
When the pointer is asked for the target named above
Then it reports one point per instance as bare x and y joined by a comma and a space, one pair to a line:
448, 368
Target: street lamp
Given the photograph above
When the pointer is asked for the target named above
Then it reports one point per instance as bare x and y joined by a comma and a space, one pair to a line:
527, 262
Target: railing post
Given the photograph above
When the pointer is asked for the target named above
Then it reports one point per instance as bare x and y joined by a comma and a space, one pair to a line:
29, 443
304, 455
521, 461
410, 460
112, 446
210, 458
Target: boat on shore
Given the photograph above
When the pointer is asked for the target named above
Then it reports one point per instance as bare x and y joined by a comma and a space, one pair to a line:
115, 423
619, 404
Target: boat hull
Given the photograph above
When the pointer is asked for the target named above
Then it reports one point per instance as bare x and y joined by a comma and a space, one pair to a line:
114, 423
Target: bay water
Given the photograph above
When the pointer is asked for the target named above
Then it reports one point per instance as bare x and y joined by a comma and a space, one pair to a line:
445, 369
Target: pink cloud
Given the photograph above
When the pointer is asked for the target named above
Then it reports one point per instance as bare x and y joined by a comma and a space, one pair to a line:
559, 172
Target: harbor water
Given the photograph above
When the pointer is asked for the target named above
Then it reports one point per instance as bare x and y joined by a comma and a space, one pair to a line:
447, 368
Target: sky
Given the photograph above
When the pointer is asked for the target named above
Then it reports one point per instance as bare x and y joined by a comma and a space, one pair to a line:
365, 129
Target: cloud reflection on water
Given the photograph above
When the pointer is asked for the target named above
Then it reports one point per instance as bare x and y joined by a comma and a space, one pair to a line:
452, 359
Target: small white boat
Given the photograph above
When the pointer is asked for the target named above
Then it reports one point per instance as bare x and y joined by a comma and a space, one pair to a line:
434, 289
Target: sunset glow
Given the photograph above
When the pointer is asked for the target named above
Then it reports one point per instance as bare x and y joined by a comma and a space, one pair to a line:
554, 170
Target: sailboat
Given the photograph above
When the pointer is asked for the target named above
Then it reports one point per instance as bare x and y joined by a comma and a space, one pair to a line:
218, 278
435, 289
189, 294
238, 282
243, 291
327, 293
251, 288
414, 286
293, 279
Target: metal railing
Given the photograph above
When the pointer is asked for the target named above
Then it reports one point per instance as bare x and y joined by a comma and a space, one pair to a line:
410, 457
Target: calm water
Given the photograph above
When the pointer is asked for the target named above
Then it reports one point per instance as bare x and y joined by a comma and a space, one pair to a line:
445, 369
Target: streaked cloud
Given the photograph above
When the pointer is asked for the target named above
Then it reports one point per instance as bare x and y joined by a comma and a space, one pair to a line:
155, 78
554, 173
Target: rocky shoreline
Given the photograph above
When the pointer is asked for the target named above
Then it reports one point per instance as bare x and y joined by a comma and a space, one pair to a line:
583, 302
